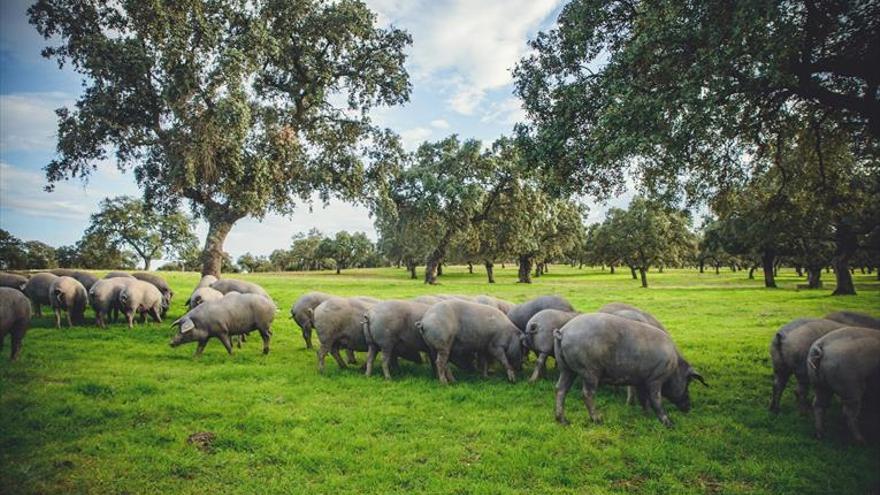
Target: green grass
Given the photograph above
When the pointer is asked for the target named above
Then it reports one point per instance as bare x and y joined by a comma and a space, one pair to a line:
106, 411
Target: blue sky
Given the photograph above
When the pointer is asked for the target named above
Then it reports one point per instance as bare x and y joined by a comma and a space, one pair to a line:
459, 65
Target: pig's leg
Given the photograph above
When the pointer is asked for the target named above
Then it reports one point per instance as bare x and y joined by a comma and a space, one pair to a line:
350, 355
498, 353
130, 316
387, 354
803, 393
69, 323
780, 380
588, 387
265, 334
851, 409
443, 373
563, 385
656, 399
307, 336
821, 400
393, 363
57, 317
156, 315
17, 336
642, 394
334, 351
38, 310
201, 347
629, 395
224, 338
371, 357
539, 367
322, 352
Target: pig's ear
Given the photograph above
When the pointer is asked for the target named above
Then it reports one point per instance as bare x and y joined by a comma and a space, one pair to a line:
187, 325
693, 375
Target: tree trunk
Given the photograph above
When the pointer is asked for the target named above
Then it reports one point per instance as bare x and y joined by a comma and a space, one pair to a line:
490, 272
752, 272
612, 269
212, 255
767, 261
538, 269
798, 270
632, 271
338, 269
814, 277
440, 268
147, 261
702, 263
525, 269
432, 268
847, 243
660, 269
643, 273
717, 269
411, 266
470, 268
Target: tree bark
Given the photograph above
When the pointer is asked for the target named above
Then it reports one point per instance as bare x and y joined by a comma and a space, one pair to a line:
212, 255
798, 270
338, 269
702, 263
612, 269
643, 274
490, 272
846, 246
814, 277
470, 268
632, 271
525, 269
440, 268
147, 261
717, 269
752, 272
767, 261
432, 268
538, 269
411, 266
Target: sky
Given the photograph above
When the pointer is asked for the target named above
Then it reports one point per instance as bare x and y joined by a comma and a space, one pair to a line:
460, 67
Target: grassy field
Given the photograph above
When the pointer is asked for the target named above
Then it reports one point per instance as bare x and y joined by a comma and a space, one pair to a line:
109, 411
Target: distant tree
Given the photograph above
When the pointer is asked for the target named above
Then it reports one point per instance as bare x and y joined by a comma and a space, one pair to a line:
239, 109
95, 251
345, 249
13, 255
129, 222
67, 256
548, 229
304, 250
39, 255
254, 264
647, 234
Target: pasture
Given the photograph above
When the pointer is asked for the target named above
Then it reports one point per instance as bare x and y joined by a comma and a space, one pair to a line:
109, 411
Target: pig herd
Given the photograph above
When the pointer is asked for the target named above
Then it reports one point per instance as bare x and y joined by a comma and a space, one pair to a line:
617, 345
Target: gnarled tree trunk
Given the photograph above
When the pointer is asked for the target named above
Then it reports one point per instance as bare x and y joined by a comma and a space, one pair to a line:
643, 272
768, 259
814, 277
525, 269
846, 245
411, 266
632, 271
219, 225
490, 271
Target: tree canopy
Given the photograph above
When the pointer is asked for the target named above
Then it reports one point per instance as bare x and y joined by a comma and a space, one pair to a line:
241, 109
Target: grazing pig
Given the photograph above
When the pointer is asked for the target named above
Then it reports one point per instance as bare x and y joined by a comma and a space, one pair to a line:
539, 335
339, 321
140, 297
466, 328
845, 362
522, 313
37, 290
499, 304
118, 275
234, 314
13, 281
205, 281
85, 278
788, 353
225, 285
301, 312
633, 313
204, 294
104, 298
67, 294
162, 285
390, 326
15, 318
620, 351
851, 318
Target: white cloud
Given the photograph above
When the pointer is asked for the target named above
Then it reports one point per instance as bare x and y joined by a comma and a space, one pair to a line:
508, 111
28, 120
440, 124
413, 137
472, 44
